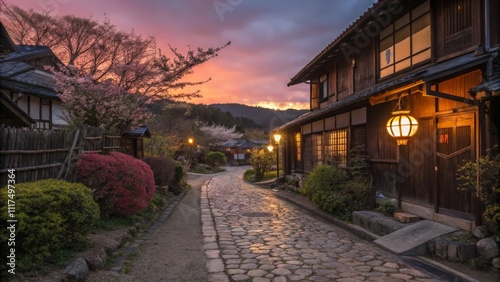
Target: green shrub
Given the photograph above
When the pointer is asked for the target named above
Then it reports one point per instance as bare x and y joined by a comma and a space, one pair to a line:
163, 169
488, 170
350, 196
330, 188
215, 159
261, 161
179, 181
52, 215
323, 178
249, 175
387, 208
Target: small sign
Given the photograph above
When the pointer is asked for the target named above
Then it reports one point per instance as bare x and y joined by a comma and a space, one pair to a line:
443, 138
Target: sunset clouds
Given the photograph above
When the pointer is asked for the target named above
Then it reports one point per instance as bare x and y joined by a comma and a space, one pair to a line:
271, 40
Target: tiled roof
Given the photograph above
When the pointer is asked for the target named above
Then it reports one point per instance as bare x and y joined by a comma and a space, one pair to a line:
244, 143
298, 78
141, 131
25, 52
25, 78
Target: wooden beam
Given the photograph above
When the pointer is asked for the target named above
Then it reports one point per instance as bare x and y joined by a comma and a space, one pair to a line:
447, 96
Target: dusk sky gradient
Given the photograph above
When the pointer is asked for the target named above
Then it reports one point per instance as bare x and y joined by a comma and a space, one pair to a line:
271, 40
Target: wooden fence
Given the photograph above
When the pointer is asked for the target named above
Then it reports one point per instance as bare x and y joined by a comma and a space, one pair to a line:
35, 154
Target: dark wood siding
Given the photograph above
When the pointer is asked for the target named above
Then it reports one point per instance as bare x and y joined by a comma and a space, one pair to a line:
365, 68
457, 27
344, 78
416, 169
458, 86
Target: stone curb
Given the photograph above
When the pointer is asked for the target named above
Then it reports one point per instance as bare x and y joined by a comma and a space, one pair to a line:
214, 265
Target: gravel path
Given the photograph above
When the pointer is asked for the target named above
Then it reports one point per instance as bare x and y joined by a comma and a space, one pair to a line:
174, 252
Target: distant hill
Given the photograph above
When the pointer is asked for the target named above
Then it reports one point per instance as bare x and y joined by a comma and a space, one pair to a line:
267, 118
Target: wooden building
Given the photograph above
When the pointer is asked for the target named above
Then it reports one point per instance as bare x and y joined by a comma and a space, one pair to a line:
438, 59
241, 149
25, 81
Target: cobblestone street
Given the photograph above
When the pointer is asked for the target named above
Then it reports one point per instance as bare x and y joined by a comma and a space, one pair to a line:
249, 235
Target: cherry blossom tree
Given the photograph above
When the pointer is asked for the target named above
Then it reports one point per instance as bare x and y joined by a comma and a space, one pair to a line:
218, 134
104, 105
129, 60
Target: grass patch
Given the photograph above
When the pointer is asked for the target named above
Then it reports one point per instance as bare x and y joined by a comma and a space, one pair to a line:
249, 175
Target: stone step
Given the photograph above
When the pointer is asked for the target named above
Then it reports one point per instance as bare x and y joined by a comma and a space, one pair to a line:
377, 222
413, 239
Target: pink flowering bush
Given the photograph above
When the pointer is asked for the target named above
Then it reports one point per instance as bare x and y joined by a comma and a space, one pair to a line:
123, 185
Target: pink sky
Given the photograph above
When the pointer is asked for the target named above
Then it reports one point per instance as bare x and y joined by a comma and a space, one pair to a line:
271, 40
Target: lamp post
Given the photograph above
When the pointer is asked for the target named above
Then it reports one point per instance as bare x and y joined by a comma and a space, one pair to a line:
190, 150
277, 138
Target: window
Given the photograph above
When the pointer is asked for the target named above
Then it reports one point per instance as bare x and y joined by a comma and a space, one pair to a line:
457, 17
298, 144
323, 87
406, 42
314, 96
336, 147
319, 91
317, 143
457, 26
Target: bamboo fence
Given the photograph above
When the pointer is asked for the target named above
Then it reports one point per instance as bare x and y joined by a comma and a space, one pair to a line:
37, 154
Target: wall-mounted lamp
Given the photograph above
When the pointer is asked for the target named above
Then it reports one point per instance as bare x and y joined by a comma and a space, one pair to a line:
401, 125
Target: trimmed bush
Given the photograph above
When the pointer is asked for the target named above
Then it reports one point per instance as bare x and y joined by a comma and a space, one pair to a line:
179, 181
163, 169
261, 161
123, 185
52, 215
215, 159
323, 178
330, 188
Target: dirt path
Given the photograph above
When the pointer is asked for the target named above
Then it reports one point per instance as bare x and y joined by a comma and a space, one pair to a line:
175, 252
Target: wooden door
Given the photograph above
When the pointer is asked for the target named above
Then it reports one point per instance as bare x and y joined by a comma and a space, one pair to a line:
455, 144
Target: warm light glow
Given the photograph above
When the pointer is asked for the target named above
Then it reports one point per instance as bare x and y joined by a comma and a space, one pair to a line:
402, 126
277, 138
270, 148
190, 141
282, 105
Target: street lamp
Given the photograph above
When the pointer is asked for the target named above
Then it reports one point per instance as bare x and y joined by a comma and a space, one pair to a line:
190, 141
270, 148
277, 138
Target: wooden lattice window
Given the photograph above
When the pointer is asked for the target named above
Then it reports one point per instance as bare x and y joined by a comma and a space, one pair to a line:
336, 147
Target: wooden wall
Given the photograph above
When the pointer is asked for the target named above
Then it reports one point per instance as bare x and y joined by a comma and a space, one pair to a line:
458, 86
447, 40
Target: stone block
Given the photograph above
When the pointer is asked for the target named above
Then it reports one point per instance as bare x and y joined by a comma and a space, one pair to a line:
441, 248
453, 251
96, 258
466, 252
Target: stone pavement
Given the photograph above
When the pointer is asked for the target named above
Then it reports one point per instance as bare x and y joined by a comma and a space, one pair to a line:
250, 235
